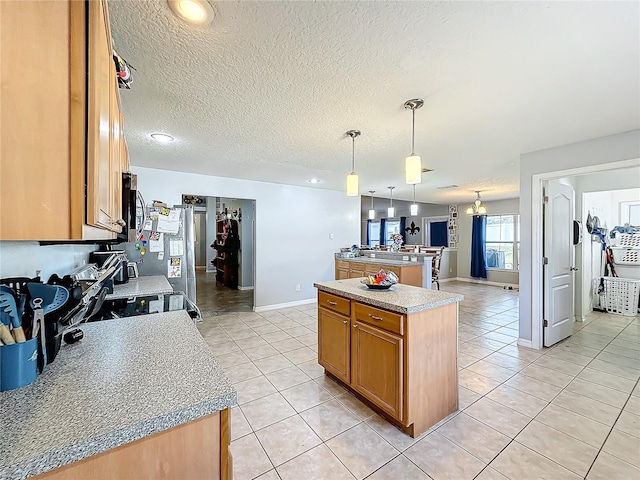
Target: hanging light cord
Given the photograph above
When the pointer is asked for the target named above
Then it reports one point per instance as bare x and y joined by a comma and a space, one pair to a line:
414, 193
413, 131
353, 154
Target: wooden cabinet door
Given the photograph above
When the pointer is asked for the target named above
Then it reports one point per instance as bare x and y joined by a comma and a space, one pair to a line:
342, 274
377, 367
99, 123
333, 344
356, 273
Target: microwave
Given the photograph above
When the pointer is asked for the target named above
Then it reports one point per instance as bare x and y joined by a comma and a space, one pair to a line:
129, 205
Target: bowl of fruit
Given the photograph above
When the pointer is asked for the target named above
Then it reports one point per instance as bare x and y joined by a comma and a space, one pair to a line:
381, 280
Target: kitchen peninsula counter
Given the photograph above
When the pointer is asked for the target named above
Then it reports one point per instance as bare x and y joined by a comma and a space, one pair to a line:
394, 349
136, 379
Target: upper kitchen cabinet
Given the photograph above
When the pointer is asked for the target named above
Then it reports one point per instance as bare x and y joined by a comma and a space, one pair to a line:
62, 150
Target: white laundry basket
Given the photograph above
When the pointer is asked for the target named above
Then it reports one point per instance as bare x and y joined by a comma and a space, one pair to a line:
620, 295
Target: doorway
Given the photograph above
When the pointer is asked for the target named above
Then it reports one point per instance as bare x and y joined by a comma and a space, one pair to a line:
200, 227
620, 173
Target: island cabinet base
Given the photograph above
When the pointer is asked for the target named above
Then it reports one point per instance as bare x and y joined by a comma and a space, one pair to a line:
196, 450
403, 365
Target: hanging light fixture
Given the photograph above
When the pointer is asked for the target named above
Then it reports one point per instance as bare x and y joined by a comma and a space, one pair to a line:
476, 208
352, 178
414, 205
391, 212
413, 163
372, 212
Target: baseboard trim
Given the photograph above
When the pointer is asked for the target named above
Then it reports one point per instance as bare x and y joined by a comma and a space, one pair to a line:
276, 306
522, 342
486, 282
245, 288
445, 280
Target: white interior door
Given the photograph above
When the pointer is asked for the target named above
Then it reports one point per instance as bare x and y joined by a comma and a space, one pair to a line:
559, 268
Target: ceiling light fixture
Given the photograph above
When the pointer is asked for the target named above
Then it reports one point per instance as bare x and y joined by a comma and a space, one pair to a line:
162, 137
313, 180
391, 212
413, 163
372, 212
192, 11
476, 208
414, 205
352, 178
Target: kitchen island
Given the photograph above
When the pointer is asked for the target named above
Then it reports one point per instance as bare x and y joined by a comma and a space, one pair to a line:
138, 397
395, 349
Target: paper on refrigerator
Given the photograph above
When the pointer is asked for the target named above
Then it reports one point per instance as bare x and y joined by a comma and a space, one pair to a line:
169, 221
176, 247
156, 242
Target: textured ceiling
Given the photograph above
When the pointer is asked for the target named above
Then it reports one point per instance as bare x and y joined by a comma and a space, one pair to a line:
267, 90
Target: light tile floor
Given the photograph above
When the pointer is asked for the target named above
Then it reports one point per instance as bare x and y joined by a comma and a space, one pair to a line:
571, 411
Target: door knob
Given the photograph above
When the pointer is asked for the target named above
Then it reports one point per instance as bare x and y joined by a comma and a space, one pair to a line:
574, 269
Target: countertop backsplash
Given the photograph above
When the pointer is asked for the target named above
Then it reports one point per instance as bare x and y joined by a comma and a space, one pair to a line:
22, 259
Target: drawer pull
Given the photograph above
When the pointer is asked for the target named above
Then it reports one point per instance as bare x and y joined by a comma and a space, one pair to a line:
331, 303
376, 318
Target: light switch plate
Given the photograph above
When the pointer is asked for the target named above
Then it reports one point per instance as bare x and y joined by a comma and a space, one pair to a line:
405, 258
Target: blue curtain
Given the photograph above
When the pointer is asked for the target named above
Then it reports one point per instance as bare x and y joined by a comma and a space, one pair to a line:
478, 241
403, 225
383, 231
368, 227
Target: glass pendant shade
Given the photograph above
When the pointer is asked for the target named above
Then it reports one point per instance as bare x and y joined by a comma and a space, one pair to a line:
372, 214
470, 211
413, 169
414, 209
391, 212
482, 210
352, 185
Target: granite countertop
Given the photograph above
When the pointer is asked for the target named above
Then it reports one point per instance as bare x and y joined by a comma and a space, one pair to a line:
383, 261
140, 286
126, 379
399, 298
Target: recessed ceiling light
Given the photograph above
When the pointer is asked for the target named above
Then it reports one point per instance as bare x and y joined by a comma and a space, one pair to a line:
192, 11
313, 180
162, 137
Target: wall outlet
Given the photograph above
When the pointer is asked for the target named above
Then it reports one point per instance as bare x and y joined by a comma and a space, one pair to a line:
297, 287
331, 236
405, 258
451, 270
373, 255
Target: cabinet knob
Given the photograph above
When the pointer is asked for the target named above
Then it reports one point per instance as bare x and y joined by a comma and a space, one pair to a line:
120, 222
355, 326
345, 321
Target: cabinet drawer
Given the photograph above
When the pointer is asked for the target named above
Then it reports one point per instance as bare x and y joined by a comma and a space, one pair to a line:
335, 303
392, 322
342, 264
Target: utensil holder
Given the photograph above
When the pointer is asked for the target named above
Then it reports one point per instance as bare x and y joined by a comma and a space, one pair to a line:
18, 364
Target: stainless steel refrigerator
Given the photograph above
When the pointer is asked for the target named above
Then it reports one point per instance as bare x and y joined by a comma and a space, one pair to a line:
173, 255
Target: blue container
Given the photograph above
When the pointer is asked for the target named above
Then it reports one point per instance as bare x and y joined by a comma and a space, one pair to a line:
18, 364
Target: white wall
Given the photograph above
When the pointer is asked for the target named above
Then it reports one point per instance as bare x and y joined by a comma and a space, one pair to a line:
22, 259
559, 162
501, 207
293, 225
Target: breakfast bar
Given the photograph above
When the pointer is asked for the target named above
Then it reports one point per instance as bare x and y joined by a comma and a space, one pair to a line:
394, 349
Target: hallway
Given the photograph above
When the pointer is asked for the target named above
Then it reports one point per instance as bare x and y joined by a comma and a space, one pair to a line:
214, 298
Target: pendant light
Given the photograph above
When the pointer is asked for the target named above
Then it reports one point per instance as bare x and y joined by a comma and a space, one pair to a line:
391, 212
413, 163
476, 208
414, 205
352, 178
372, 212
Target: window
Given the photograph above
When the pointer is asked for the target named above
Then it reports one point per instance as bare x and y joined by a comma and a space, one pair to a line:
502, 247
392, 226
374, 233
630, 213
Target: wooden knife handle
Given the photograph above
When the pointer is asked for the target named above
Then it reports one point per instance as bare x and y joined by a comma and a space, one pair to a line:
5, 335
